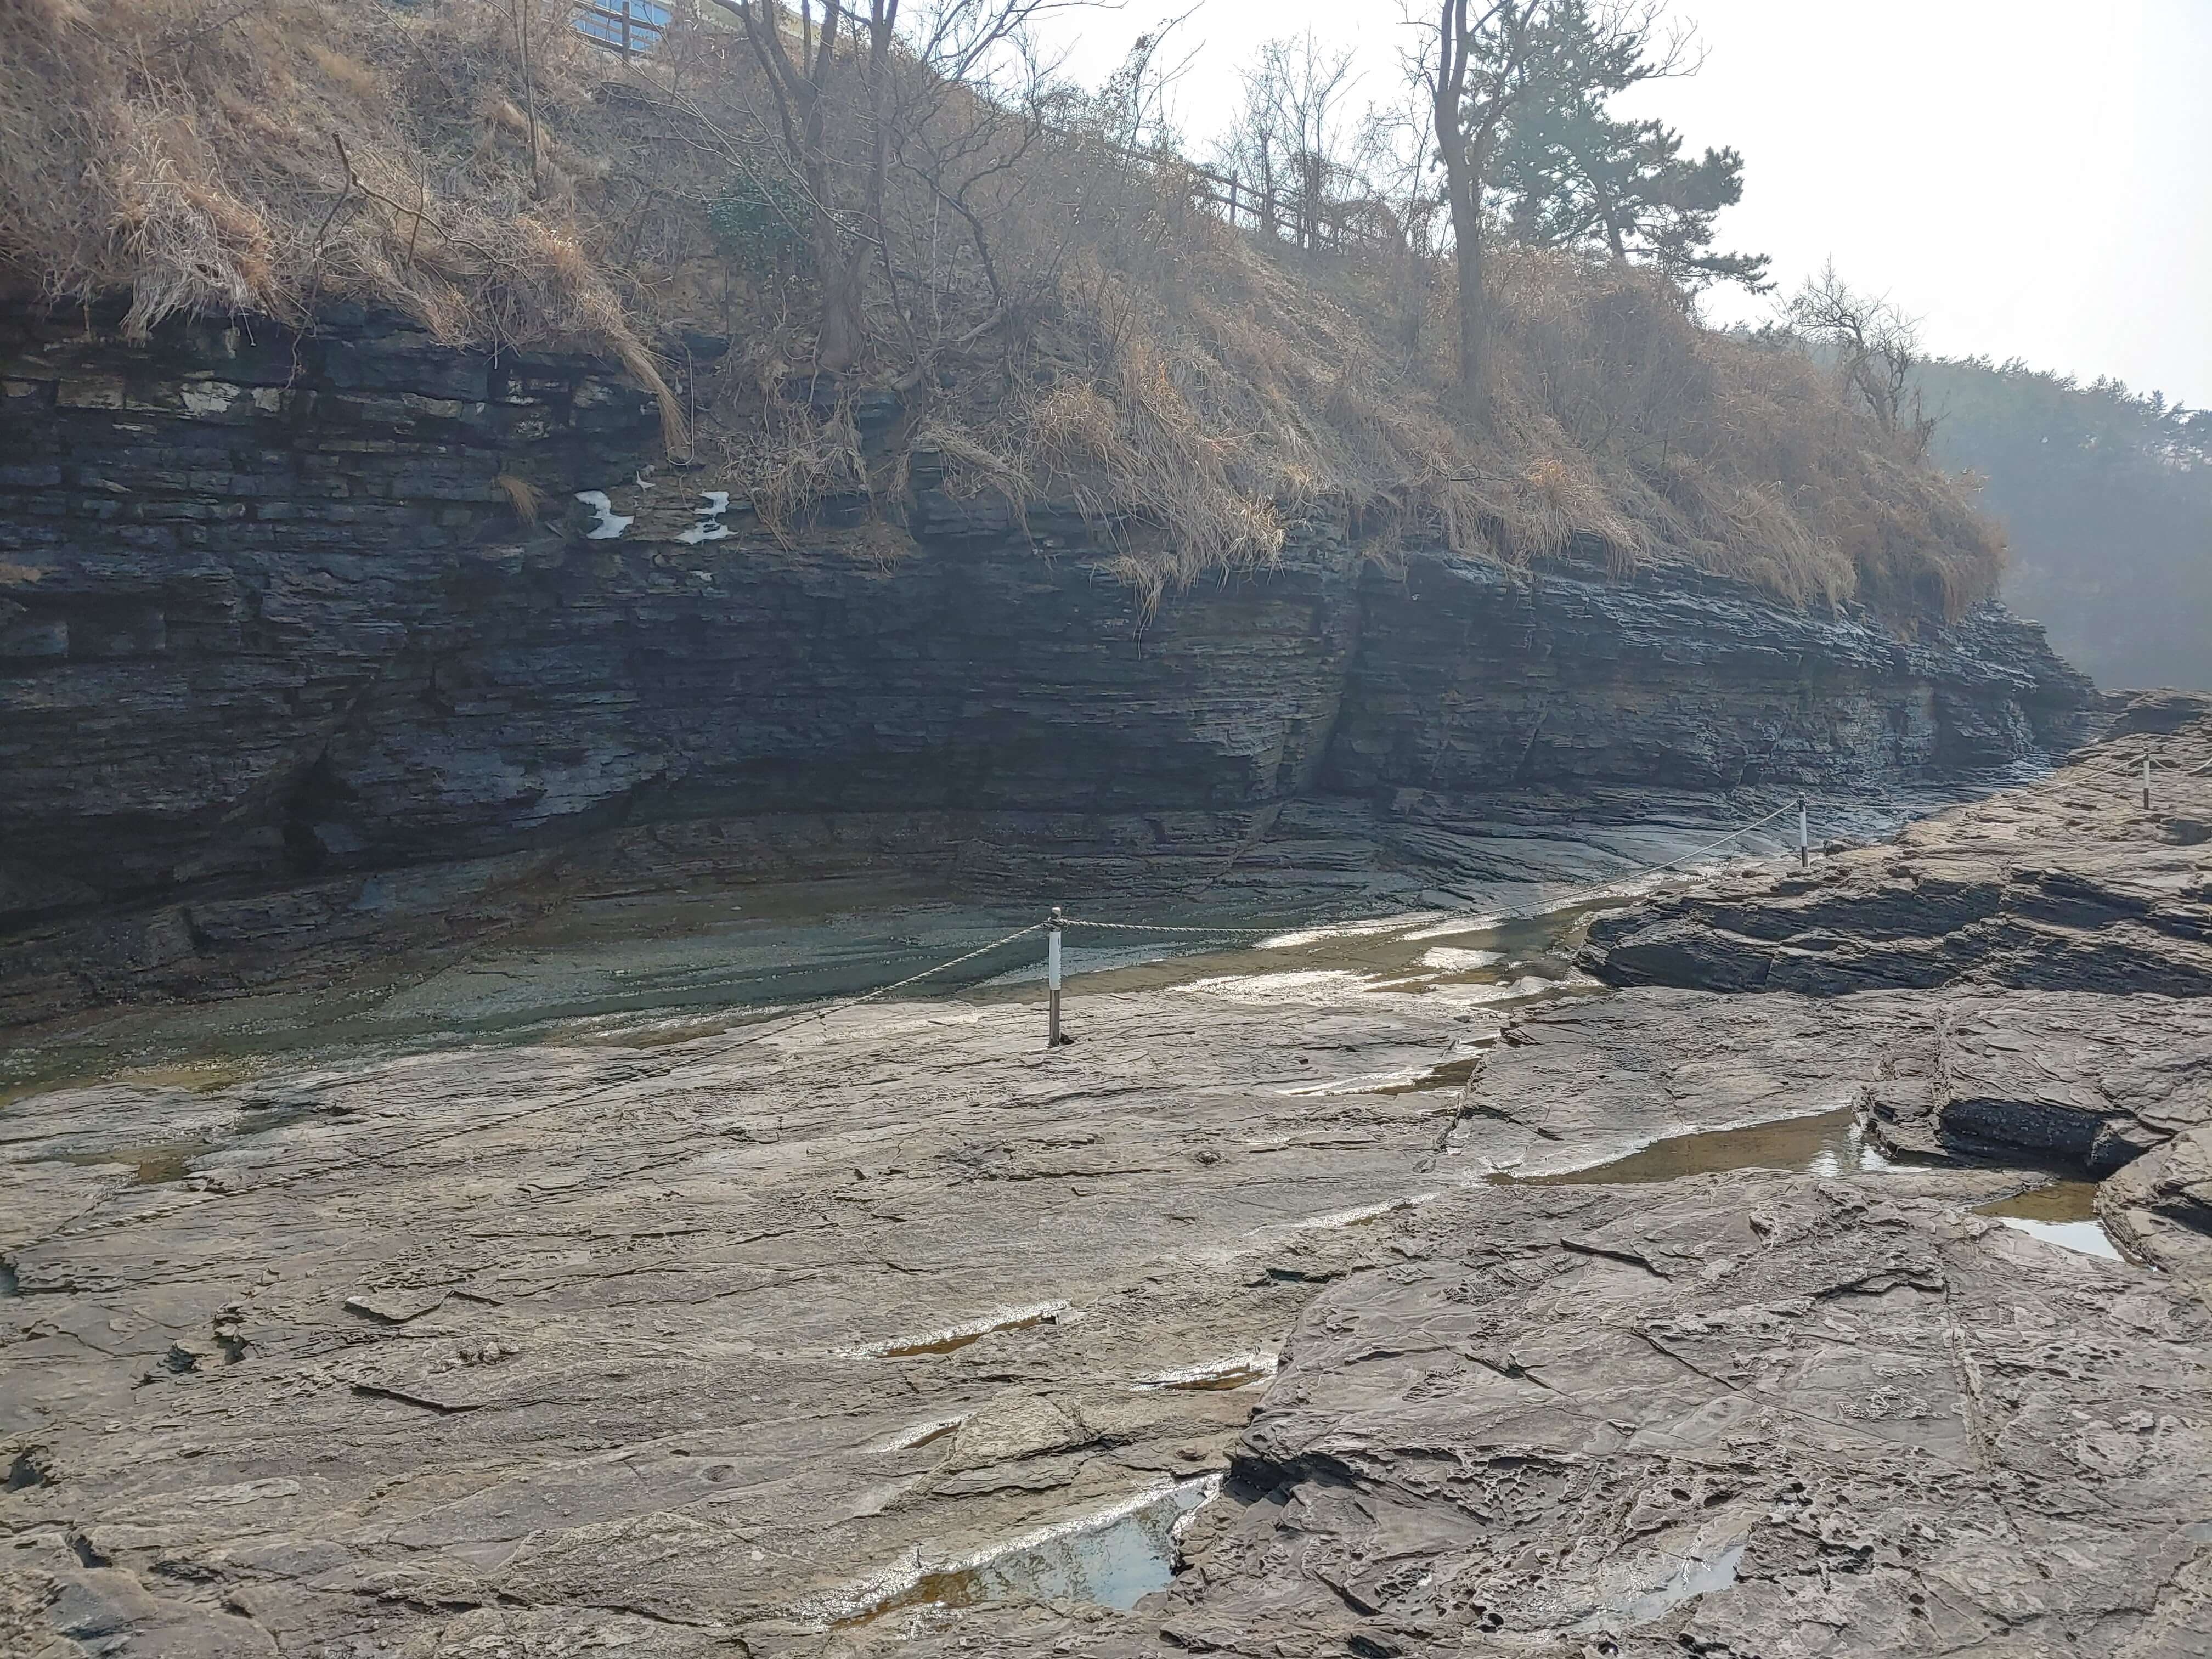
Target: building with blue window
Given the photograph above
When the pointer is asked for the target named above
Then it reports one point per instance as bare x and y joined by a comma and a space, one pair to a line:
629, 26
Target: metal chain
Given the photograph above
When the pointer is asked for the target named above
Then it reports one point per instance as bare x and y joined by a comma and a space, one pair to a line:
1744, 830
2129, 770
885, 991
1161, 928
772, 1028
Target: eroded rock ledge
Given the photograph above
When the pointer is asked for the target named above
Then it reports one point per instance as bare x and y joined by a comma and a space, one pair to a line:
2065, 885
2093, 914
284, 677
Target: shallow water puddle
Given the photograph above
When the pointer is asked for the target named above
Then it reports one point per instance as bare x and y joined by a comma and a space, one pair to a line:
1216, 1377
2061, 1213
1488, 959
1827, 1144
1695, 1576
156, 1164
2064, 1213
954, 1337
1112, 1559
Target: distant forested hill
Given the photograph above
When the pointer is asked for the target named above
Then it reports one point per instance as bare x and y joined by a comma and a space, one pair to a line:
2107, 497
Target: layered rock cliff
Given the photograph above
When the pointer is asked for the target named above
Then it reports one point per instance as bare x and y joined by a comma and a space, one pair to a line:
281, 657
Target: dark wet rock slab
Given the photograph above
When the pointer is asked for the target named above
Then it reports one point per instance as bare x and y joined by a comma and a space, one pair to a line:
2065, 883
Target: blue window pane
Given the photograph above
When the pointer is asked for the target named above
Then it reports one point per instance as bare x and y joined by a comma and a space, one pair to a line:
604, 22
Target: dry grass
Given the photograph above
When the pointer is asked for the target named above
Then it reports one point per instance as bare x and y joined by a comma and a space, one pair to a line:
1194, 392
275, 155
523, 496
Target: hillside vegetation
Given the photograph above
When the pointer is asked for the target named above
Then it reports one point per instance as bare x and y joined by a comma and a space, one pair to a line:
2107, 497
1057, 307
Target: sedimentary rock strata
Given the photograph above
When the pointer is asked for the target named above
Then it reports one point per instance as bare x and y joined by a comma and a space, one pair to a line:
2093, 915
2160, 1207
887, 1333
2064, 884
567, 1345
286, 677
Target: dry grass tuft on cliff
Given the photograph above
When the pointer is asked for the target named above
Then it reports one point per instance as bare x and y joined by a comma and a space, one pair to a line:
1100, 338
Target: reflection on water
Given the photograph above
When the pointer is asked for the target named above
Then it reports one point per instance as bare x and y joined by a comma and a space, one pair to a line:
960, 1336
1113, 1562
1490, 961
653, 971
640, 967
2061, 1212
1221, 1376
1830, 1143
1694, 1576
156, 1163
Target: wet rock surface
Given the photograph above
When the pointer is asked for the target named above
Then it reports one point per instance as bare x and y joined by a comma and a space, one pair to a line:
700, 1347
1749, 1413
2048, 950
640, 1330
2062, 1079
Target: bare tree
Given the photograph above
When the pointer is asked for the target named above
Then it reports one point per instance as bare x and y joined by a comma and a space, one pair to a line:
1135, 104
1257, 148
1315, 87
963, 144
1875, 345
1478, 66
803, 89
855, 84
1393, 153
1290, 134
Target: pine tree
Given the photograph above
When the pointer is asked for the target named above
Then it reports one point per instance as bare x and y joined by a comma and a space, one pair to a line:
1568, 174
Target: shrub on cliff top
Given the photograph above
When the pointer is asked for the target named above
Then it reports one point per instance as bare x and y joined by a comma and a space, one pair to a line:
1062, 318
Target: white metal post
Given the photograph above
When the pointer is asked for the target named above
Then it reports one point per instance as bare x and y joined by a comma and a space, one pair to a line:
1052, 980
2146, 780
1804, 844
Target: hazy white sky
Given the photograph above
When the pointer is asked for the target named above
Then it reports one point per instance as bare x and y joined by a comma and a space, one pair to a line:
2030, 178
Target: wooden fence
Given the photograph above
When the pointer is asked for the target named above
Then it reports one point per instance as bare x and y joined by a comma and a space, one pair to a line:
1306, 215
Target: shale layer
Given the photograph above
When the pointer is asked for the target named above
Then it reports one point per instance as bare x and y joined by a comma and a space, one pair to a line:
288, 673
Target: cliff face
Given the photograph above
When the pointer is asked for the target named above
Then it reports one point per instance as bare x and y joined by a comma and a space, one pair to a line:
279, 655
1470, 677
